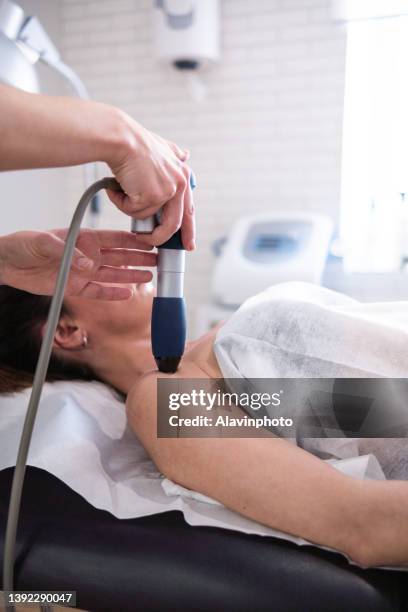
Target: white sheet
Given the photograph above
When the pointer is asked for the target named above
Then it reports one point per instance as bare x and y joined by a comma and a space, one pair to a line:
299, 330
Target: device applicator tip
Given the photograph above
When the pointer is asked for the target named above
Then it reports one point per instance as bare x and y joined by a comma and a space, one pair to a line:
168, 365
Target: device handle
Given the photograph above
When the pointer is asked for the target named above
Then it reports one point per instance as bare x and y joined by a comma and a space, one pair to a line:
143, 226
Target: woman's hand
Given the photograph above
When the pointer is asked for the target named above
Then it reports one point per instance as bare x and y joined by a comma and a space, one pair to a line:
153, 175
30, 261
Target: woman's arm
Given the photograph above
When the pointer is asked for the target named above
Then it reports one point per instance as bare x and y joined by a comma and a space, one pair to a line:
272, 481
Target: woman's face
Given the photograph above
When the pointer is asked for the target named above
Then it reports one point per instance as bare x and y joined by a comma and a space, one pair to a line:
117, 318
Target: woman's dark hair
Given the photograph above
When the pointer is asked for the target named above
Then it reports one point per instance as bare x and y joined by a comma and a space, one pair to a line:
22, 317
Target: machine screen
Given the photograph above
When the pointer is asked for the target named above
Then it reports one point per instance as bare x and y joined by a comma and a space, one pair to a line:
276, 241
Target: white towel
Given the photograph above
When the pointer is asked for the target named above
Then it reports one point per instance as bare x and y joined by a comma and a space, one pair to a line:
298, 330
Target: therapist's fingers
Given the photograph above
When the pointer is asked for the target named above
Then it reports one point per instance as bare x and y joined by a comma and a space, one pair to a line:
128, 257
110, 274
117, 197
151, 193
188, 222
182, 154
126, 204
170, 220
95, 291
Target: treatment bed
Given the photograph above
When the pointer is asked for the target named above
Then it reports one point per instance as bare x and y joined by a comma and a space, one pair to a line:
161, 564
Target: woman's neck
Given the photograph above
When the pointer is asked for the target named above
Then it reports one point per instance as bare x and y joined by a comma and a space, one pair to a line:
122, 360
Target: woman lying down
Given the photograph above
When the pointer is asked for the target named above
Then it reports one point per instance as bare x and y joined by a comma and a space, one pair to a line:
293, 330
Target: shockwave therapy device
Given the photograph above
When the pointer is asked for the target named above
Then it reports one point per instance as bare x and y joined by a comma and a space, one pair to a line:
168, 325
168, 341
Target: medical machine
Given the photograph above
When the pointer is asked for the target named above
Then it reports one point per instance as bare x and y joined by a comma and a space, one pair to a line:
261, 250
269, 248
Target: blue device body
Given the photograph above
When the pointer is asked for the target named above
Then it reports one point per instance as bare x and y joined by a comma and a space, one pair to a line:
169, 322
169, 330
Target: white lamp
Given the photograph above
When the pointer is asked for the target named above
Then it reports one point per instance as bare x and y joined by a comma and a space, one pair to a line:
15, 67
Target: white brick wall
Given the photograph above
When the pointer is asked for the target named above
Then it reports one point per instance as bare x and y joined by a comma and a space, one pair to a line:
268, 133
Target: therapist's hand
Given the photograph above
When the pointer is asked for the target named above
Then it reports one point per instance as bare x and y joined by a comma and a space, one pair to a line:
30, 261
153, 175
152, 171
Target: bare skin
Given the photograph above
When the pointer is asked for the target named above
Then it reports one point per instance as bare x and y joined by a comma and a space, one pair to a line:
266, 479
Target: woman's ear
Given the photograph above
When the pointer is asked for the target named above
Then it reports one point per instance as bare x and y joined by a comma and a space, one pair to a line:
69, 336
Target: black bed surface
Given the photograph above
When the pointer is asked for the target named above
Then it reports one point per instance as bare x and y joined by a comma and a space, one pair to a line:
161, 564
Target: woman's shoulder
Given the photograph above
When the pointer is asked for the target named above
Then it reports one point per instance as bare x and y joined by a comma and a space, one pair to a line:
144, 390
141, 402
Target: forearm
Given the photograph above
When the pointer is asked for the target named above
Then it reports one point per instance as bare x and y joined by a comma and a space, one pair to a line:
43, 131
286, 488
271, 482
